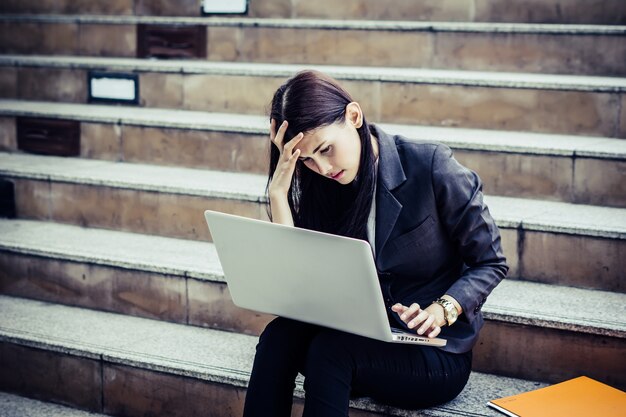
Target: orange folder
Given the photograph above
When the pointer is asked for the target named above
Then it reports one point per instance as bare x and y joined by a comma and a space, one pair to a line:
578, 397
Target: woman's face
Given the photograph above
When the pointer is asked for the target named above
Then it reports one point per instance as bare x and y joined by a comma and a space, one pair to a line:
333, 151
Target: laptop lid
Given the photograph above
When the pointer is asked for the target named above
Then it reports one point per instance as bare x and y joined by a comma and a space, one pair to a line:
300, 274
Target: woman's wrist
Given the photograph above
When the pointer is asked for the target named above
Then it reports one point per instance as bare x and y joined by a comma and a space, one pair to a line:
450, 298
449, 307
279, 207
277, 195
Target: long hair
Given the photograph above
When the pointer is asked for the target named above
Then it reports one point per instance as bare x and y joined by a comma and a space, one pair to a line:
308, 101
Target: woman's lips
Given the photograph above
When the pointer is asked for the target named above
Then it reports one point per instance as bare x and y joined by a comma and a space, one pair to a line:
338, 175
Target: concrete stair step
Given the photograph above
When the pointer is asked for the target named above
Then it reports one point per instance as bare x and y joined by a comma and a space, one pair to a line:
545, 241
579, 105
193, 262
106, 362
577, 169
538, 11
12, 405
569, 49
186, 260
533, 330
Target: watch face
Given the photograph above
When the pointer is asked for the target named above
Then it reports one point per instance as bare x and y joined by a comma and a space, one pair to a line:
450, 311
451, 314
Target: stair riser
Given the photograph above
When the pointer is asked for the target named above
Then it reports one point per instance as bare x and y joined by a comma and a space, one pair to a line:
51, 376
124, 390
589, 54
550, 11
99, 386
528, 252
549, 355
515, 350
578, 261
213, 150
208, 304
532, 110
147, 212
120, 390
152, 295
141, 294
105, 7
569, 179
531, 11
594, 181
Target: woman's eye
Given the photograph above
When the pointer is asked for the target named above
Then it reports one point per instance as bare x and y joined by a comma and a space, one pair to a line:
326, 149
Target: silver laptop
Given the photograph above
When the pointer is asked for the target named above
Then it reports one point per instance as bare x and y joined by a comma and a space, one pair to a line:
304, 275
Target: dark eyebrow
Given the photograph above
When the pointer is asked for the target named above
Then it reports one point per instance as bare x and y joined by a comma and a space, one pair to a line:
315, 150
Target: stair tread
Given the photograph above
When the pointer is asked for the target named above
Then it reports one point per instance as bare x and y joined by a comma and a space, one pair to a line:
459, 138
12, 405
509, 212
206, 354
513, 301
389, 74
308, 23
189, 181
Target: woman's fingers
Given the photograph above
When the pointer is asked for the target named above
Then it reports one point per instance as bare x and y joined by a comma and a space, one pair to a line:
398, 307
284, 172
279, 137
408, 314
426, 324
287, 151
293, 142
294, 158
419, 318
435, 332
413, 316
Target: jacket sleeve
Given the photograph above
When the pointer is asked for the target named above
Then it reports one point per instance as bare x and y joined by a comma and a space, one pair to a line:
466, 218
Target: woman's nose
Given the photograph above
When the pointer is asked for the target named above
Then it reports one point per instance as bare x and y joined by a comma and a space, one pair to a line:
324, 168
320, 166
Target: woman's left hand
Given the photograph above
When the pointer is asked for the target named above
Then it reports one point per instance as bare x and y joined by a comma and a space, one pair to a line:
427, 321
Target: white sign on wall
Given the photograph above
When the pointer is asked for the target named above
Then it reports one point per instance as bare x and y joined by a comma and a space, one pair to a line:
113, 87
224, 6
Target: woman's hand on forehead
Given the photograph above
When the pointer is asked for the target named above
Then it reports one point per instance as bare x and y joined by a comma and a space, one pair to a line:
281, 181
277, 136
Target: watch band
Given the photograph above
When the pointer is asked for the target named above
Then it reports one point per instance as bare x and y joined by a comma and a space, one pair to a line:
449, 310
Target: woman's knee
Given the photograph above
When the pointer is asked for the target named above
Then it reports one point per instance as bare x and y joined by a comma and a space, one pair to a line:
329, 348
285, 338
275, 329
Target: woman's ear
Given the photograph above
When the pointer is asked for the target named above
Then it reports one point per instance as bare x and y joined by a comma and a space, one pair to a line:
354, 114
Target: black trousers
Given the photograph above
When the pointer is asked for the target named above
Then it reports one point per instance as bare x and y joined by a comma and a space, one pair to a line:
338, 366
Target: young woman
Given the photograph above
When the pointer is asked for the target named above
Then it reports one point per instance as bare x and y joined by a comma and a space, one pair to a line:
436, 247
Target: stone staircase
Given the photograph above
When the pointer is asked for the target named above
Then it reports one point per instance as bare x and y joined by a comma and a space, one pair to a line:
112, 299
580, 105
576, 49
531, 11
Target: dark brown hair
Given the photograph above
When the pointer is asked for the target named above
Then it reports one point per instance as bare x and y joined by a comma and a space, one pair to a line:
308, 101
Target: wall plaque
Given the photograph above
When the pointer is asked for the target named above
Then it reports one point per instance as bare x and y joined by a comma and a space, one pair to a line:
170, 41
224, 7
48, 136
106, 87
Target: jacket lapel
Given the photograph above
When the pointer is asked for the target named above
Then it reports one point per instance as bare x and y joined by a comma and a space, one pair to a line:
390, 176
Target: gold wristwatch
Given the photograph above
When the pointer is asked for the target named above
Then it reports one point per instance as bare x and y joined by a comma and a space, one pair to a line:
450, 312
